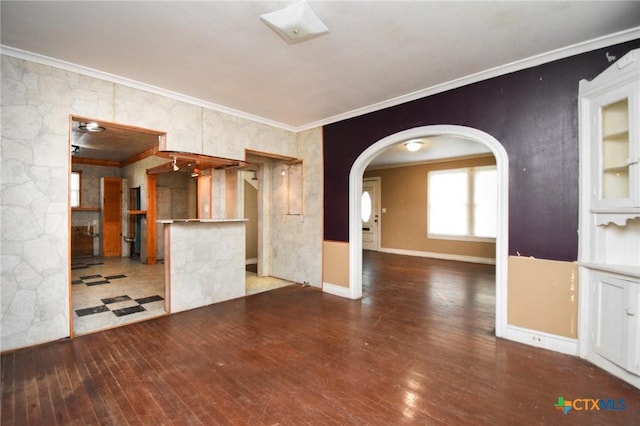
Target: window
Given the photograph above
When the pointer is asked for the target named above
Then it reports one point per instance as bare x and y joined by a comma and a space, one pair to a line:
463, 203
75, 189
366, 206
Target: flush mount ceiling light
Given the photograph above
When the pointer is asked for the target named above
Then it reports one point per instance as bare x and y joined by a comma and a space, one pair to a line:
91, 126
295, 23
413, 145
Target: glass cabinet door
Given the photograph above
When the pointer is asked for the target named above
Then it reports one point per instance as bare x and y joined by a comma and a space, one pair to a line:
615, 150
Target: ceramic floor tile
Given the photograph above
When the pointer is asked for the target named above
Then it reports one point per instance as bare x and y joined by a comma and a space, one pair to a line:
255, 284
122, 304
149, 299
116, 299
92, 310
128, 310
121, 280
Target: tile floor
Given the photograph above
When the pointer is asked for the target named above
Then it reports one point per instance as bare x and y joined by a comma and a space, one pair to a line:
256, 284
113, 291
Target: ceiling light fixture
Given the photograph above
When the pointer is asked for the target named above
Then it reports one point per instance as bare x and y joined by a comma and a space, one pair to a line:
295, 23
413, 145
91, 126
175, 164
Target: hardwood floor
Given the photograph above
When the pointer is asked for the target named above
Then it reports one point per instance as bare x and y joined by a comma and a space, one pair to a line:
417, 349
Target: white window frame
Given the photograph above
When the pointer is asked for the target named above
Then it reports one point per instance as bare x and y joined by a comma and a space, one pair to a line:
470, 205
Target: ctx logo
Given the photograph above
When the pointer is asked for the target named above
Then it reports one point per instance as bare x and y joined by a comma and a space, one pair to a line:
589, 404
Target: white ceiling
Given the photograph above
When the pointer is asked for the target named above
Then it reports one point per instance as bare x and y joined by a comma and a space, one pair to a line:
222, 53
376, 54
433, 148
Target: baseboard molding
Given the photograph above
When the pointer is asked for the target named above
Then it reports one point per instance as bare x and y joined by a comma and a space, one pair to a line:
253, 261
336, 290
443, 256
543, 340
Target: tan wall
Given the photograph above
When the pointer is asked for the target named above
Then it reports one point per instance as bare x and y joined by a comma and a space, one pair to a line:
251, 213
335, 263
404, 195
543, 295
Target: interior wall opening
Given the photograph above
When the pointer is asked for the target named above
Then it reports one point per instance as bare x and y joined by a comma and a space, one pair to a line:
388, 144
115, 276
260, 193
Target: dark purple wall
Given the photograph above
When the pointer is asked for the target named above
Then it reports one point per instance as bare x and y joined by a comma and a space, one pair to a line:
533, 113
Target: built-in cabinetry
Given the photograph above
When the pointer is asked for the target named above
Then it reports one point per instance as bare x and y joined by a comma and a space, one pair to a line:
81, 242
615, 326
84, 231
609, 233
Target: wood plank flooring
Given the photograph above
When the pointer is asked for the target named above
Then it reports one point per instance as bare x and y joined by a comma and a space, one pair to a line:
417, 349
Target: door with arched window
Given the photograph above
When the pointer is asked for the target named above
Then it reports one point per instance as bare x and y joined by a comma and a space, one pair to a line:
370, 214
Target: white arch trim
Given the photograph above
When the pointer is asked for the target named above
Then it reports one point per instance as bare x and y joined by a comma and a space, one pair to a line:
502, 166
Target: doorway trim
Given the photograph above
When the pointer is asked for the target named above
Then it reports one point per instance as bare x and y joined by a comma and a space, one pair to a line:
502, 167
151, 200
376, 210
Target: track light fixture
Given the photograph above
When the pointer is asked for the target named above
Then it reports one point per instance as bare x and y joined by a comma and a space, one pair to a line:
91, 127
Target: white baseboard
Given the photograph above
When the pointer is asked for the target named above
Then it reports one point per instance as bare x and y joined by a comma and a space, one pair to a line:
543, 340
444, 256
253, 261
336, 290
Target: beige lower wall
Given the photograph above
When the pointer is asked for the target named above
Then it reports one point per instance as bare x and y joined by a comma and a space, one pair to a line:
335, 264
543, 295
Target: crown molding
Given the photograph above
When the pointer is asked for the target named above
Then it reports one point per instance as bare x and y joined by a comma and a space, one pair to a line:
565, 52
554, 55
112, 78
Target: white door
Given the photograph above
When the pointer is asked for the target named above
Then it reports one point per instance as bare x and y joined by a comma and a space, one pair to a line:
370, 205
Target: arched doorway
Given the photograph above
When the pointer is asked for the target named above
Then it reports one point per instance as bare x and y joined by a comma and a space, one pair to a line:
502, 166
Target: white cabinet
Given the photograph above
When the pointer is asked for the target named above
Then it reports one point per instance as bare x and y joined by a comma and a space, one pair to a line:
610, 115
615, 320
609, 219
615, 181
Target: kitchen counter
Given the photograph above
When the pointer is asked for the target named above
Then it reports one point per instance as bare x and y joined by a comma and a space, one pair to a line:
204, 261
